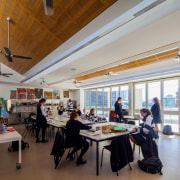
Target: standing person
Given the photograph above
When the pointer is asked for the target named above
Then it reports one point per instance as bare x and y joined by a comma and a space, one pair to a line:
41, 120
70, 106
156, 112
118, 109
73, 138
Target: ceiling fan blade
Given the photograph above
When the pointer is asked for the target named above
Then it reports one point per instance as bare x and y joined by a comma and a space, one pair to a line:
7, 74
7, 50
22, 57
48, 7
9, 58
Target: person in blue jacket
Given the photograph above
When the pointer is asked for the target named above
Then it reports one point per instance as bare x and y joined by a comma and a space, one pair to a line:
74, 139
118, 109
156, 112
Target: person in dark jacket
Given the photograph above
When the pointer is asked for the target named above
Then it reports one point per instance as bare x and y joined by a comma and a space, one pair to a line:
156, 112
61, 110
77, 111
118, 109
73, 138
41, 120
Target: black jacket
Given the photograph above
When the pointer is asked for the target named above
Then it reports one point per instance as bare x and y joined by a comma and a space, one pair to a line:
72, 133
41, 119
121, 152
156, 112
58, 147
79, 112
118, 109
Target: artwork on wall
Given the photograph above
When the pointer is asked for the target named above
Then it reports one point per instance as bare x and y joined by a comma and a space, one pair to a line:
21, 96
30, 91
21, 90
30, 96
56, 94
66, 94
38, 93
13, 94
47, 95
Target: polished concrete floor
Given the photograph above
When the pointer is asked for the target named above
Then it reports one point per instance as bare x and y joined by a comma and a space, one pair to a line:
38, 163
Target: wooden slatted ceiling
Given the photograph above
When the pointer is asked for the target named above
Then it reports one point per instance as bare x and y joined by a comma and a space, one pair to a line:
134, 64
36, 35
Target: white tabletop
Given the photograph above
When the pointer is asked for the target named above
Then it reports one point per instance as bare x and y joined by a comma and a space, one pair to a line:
102, 136
10, 136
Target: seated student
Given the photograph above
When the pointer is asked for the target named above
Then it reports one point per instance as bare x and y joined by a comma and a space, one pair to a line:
61, 110
85, 115
92, 116
73, 139
142, 132
48, 111
77, 110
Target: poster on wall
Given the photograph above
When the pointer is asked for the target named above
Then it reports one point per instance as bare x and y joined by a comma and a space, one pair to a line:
56, 94
30, 96
47, 95
30, 91
66, 94
21, 90
21, 96
13, 94
38, 93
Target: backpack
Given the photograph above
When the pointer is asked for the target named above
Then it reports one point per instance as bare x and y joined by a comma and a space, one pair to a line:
167, 130
15, 146
151, 165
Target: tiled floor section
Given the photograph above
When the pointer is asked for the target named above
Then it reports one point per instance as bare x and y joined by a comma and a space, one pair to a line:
38, 163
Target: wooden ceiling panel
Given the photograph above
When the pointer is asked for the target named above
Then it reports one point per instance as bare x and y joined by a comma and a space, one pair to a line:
34, 34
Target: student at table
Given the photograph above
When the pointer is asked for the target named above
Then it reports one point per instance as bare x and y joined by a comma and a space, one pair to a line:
77, 110
85, 115
142, 131
48, 111
41, 120
92, 116
118, 109
73, 139
70, 106
156, 112
61, 110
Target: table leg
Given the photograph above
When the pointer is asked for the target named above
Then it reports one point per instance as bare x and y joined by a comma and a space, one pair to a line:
18, 165
97, 158
90, 142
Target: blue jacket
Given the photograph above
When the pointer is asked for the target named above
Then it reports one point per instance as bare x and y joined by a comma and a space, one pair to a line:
156, 112
118, 109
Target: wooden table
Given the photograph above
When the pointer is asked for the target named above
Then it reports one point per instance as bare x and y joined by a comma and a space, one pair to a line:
102, 137
9, 137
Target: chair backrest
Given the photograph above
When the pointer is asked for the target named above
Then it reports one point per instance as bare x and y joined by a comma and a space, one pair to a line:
131, 122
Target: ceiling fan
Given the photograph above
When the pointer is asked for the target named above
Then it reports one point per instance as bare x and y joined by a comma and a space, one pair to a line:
5, 74
48, 7
8, 53
43, 82
108, 74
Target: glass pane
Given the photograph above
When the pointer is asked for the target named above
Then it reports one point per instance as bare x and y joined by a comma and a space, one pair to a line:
153, 91
125, 96
99, 113
106, 115
99, 98
93, 98
173, 121
140, 96
87, 97
171, 94
106, 97
115, 95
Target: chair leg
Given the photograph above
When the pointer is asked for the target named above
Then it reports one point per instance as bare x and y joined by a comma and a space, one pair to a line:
117, 173
130, 167
102, 156
68, 153
139, 151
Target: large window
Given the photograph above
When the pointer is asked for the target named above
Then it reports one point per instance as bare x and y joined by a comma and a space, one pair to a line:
153, 91
93, 98
125, 96
106, 97
171, 94
99, 98
114, 95
140, 96
87, 99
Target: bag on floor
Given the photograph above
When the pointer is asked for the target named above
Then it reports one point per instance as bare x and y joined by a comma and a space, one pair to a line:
167, 130
151, 165
15, 146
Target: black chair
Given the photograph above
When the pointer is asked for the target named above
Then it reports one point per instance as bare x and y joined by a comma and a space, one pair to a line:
28, 127
131, 122
109, 148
